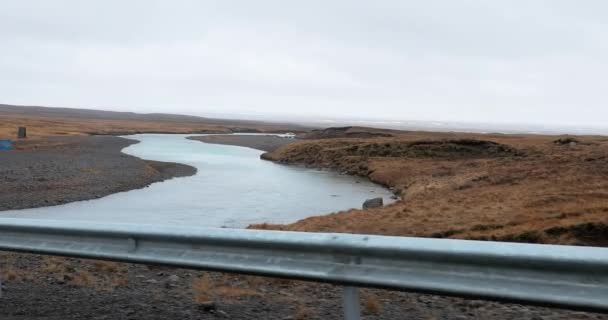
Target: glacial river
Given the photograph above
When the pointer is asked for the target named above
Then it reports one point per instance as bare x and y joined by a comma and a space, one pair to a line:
232, 188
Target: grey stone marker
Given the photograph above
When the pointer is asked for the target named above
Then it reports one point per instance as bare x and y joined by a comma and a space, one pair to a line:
22, 133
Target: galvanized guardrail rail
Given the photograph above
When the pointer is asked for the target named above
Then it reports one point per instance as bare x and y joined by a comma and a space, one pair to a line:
558, 276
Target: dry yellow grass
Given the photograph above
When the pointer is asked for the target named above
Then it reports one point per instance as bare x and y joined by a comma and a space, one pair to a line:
227, 292
227, 287
105, 266
83, 279
44, 127
523, 188
371, 305
10, 275
303, 313
203, 289
119, 282
101, 275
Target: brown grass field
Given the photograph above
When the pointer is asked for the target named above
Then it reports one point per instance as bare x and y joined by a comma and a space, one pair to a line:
43, 126
523, 188
43, 122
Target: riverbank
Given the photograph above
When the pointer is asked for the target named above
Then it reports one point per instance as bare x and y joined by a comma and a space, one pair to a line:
259, 142
57, 170
523, 188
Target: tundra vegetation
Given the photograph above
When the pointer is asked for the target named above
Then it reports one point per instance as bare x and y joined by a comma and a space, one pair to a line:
523, 188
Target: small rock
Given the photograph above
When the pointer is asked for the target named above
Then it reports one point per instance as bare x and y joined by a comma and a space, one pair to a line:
151, 281
373, 203
160, 274
173, 278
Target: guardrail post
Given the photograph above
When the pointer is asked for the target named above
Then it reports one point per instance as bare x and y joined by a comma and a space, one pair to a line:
350, 303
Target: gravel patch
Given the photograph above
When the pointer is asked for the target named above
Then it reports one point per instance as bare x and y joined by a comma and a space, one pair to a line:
59, 170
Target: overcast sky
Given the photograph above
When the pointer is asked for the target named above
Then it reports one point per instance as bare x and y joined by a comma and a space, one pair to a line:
522, 61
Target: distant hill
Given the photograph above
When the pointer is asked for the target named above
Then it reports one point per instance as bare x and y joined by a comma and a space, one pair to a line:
46, 121
113, 115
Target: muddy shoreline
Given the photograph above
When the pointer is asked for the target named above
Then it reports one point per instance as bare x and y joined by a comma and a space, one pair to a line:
59, 170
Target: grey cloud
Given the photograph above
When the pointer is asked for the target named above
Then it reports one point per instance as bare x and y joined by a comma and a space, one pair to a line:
534, 61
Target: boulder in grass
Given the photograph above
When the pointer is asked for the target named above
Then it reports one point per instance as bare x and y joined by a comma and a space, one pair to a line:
373, 203
566, 141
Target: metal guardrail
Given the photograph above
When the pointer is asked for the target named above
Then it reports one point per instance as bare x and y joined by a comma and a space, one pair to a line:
558, 276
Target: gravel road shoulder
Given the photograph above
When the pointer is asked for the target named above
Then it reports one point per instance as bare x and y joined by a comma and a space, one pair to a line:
52, 288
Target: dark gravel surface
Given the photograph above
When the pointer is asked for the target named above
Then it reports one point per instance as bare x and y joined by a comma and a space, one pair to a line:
50, 288
64, 169
260, 142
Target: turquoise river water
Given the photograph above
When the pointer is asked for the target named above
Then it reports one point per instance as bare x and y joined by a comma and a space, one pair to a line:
232, 188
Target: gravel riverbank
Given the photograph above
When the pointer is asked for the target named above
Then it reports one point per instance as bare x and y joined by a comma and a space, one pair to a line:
59, 170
